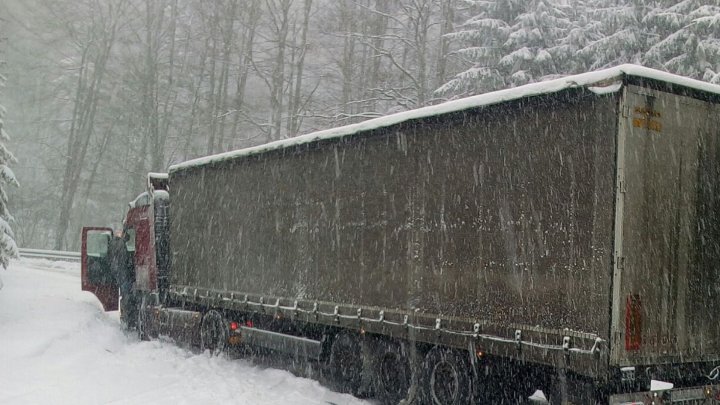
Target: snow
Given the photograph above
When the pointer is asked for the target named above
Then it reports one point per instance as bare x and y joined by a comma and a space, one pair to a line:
57, 346
656, 385
156, 175
590, 79
161, 195
538, 397
141, 200
600, 90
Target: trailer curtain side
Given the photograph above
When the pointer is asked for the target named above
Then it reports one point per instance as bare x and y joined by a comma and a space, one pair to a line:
502, 214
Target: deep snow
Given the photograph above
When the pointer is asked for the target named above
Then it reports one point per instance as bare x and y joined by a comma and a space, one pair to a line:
57, 346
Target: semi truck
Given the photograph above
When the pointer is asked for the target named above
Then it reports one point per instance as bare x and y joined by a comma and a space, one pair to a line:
561, 236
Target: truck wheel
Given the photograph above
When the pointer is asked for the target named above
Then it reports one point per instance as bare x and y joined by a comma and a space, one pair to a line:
394, 372
346, 363
213, 333
446, 378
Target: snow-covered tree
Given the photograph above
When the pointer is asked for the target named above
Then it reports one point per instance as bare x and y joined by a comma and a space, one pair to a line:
480, 46
535, 48
510, 42
612, 32
8, 248
688, 39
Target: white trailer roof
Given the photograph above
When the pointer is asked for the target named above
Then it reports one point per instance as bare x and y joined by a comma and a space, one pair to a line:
601, 81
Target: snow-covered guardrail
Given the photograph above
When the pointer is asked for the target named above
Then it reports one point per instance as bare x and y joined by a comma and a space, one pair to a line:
50, 254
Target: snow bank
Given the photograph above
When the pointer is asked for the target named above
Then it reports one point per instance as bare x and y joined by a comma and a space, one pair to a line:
57, 346
599, 79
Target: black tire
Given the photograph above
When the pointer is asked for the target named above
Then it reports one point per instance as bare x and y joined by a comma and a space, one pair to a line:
395, 372
214, 332
345, 364
446, 378
515, 383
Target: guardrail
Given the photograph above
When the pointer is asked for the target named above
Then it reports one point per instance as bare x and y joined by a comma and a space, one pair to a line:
50, 254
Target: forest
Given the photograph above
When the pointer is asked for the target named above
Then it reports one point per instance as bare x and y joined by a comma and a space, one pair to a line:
100, 92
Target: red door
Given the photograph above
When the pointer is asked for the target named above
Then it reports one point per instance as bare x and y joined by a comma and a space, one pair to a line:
95, 266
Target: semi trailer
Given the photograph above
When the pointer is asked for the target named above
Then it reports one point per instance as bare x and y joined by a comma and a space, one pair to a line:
562, 236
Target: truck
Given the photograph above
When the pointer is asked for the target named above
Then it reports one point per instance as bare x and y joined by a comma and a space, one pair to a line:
561, 236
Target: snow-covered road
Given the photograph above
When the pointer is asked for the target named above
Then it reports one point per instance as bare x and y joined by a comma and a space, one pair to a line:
57, 346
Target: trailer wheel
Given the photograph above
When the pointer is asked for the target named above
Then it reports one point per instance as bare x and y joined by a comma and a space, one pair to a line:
395, 375
213, 333
446, 378
345, 364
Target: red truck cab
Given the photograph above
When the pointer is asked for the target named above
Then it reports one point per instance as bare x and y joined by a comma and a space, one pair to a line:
138, 227
140, 239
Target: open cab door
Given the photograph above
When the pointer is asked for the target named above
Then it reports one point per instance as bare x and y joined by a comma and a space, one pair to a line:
96, 275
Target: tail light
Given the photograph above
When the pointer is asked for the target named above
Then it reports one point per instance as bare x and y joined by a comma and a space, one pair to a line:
233, 325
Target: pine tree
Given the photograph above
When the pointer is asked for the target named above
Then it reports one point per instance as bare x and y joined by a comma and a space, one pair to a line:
613, 31
688, 39
535, 48
511, 43
8, 248
479, 43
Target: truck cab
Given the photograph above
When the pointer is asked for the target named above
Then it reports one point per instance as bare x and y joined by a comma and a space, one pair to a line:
145, 213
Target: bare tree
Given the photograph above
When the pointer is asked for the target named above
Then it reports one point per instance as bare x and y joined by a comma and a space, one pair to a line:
246, 43
279, 12
296, 102
93, 44
220, 102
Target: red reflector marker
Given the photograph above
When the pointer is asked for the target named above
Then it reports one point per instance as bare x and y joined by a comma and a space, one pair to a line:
633, 322
249, 324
